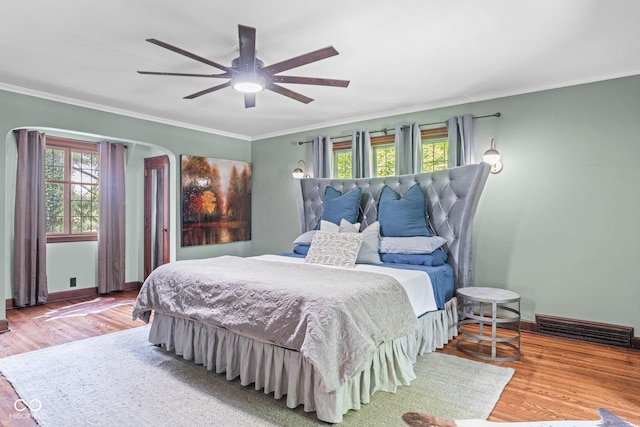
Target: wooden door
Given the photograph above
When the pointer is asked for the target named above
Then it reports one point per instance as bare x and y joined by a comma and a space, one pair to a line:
156, 213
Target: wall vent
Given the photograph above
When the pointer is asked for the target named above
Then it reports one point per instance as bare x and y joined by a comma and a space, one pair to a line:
603, 333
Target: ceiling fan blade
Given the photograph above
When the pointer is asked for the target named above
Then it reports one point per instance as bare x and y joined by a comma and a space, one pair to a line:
190, 55
310, 81
289, 93
206, 91
162, 73
301, 60
249, 100
247, 36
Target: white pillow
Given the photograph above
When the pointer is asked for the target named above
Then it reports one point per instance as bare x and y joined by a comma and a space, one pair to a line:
330, 248
304, 238
411, 245
344, 227
371, 238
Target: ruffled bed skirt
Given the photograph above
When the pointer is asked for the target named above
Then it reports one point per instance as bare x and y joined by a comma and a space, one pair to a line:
287, 373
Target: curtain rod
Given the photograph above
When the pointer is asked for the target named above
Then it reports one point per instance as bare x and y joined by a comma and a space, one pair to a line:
71, 139
386, 130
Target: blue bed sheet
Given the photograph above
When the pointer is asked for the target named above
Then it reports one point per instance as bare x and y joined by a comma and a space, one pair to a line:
441, 278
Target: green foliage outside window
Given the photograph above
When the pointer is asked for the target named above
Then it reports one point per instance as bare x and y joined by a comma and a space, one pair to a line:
54, 191
75, 174
84, 192
385, 158
342, 163
435, 149
434, 155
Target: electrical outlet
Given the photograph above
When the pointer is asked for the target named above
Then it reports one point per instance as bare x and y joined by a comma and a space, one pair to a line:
72, 282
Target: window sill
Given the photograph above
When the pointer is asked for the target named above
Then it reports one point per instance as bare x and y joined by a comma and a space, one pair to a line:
72, 238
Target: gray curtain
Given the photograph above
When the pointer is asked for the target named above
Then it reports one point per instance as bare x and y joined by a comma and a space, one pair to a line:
111, 229
322, 157
461, 146
408, 149
30, 234
361, 165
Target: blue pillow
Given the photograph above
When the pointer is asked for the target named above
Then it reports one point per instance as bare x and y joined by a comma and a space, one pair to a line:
403, 216
301, 249
438, 257
338, 206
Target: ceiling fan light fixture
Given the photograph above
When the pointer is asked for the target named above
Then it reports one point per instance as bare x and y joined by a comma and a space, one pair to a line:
247, 73
247, 82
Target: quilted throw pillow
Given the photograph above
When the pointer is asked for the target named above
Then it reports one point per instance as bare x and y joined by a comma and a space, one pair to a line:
339, 249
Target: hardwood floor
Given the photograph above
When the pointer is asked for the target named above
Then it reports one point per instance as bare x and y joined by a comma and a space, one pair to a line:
562, 379
555, 379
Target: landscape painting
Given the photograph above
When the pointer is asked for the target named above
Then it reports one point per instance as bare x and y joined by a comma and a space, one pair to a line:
216, 200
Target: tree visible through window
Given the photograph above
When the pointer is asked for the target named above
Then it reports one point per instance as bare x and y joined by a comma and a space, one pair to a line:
71, 190
342, 159
435, 149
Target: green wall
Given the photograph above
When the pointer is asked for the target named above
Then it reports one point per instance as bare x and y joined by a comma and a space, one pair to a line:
144, 138
558, 225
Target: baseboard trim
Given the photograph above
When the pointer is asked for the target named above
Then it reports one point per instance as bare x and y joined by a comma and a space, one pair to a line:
4, 326
529, 326
76, 293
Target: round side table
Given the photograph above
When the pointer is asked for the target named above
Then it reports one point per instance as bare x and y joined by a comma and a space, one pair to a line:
493, 310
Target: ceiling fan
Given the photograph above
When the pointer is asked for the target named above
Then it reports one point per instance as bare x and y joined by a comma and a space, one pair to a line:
247, 73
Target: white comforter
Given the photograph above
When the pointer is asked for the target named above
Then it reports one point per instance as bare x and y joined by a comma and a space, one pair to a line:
335, 317
416, 283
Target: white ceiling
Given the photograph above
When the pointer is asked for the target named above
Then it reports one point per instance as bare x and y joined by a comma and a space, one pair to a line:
400, 56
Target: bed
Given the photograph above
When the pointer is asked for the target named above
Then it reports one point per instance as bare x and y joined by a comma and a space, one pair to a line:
339, 344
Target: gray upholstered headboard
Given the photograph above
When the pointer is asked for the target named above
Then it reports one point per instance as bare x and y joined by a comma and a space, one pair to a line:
452, 197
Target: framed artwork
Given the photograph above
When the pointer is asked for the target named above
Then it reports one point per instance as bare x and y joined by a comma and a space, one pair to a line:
216, 200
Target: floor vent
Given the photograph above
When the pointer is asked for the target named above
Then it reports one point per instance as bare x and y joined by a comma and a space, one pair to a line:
603, 333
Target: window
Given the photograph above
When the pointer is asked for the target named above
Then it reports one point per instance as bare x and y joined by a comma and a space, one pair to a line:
435, 149
384, 155
71, 190
435, 153
342, 159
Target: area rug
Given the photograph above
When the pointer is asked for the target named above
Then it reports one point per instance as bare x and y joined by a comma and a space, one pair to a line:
121, 379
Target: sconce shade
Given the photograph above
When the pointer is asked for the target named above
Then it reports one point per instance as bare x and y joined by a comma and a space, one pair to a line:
492, 156
299, 172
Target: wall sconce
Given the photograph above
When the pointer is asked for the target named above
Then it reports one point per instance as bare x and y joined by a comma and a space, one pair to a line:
492, 156
300, 172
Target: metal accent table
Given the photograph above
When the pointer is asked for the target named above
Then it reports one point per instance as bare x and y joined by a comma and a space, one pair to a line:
498, 309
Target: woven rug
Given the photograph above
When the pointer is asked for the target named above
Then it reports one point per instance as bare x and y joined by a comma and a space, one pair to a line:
120, 379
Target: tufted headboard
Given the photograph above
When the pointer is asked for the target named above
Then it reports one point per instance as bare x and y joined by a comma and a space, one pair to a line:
452, 197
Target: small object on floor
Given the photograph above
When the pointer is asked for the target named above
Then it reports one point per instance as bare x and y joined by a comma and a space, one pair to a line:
416, 419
